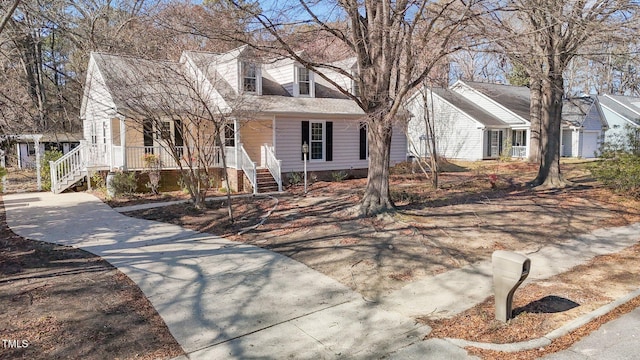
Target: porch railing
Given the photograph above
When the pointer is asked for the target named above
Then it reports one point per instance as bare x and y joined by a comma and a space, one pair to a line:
519, 151
274, 165
135, 156
67, 168
249, 167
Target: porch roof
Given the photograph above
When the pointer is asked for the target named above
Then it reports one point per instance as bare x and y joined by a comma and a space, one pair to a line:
273, 104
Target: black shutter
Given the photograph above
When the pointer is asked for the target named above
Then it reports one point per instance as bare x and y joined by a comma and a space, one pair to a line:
147, 135
177, 133
500, 143
363, 141
329, 150
305, 137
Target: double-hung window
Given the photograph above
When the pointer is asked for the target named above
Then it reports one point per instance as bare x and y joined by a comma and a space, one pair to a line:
316, 148
304, 81
249, 77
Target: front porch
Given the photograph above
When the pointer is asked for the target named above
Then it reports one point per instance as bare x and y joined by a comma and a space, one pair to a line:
91, 157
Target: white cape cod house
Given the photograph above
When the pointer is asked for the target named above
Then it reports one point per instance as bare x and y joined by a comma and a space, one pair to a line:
623, 116
282, 105
476, 121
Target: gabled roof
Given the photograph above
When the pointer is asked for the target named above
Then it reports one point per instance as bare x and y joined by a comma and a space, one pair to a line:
275, 99
137, 84
575, 110
517, 99
513, 98
469, 108
626, 106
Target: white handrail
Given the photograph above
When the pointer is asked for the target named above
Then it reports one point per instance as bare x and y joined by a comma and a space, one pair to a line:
274, 165
66, 167
249, 167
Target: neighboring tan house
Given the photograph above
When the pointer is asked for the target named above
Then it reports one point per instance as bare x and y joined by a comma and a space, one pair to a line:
274, 107
623, 116
476, 121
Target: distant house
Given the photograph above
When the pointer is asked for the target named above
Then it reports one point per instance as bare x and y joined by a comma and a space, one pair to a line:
583, 127
475, 121
279, 105
623, 116
27, 146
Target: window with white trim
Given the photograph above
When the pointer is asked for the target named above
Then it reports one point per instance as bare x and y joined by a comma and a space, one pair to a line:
316, 138
304, 81
249, 77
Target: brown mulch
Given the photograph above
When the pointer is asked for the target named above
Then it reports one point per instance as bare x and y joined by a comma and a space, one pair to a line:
65, 303
476, 211
544, 306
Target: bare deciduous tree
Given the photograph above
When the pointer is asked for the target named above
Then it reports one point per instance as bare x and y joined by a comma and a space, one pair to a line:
544, 36
396, 44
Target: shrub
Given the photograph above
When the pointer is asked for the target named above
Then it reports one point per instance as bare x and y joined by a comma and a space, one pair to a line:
153, 165
45, 168
620, 172
98, 181
295, 178
3, 173
124, 183
339, 176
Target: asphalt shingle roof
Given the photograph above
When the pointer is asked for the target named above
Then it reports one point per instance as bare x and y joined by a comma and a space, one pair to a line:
627, 106
470, 108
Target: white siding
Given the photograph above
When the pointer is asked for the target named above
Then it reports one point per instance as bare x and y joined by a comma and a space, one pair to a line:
343, 81
489, 105
457, 135
346, 146
283, 74
592, 120
617, 126
230, 71
98, 106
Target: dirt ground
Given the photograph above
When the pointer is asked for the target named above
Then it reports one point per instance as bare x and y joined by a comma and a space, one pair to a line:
63, 303
479, 209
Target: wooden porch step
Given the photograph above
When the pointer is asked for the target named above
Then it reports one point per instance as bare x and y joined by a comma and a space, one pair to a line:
266, 182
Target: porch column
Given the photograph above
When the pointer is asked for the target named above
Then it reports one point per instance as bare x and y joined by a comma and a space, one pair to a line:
19, 155
123, 142
236, 136
36, 140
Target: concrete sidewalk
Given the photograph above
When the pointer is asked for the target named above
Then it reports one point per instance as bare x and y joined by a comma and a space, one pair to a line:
222, 299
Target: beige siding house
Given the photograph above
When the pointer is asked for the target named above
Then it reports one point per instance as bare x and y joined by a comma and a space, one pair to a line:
271, 108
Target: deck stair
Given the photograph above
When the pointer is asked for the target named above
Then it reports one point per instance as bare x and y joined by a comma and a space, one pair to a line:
266, 182
68, 170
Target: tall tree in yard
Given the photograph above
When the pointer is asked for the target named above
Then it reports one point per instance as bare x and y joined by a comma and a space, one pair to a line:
396, 45
544, 36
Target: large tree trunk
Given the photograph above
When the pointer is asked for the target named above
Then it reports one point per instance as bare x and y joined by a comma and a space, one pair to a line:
535, 113
549, 176
377, 198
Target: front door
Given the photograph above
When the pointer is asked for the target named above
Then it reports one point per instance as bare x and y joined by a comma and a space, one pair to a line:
494, 143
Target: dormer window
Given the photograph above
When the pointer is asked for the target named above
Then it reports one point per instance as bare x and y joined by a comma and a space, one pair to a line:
304, 82
355, 89
249, 77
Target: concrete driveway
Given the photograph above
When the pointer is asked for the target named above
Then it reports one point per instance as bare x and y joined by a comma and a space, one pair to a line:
220, 299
